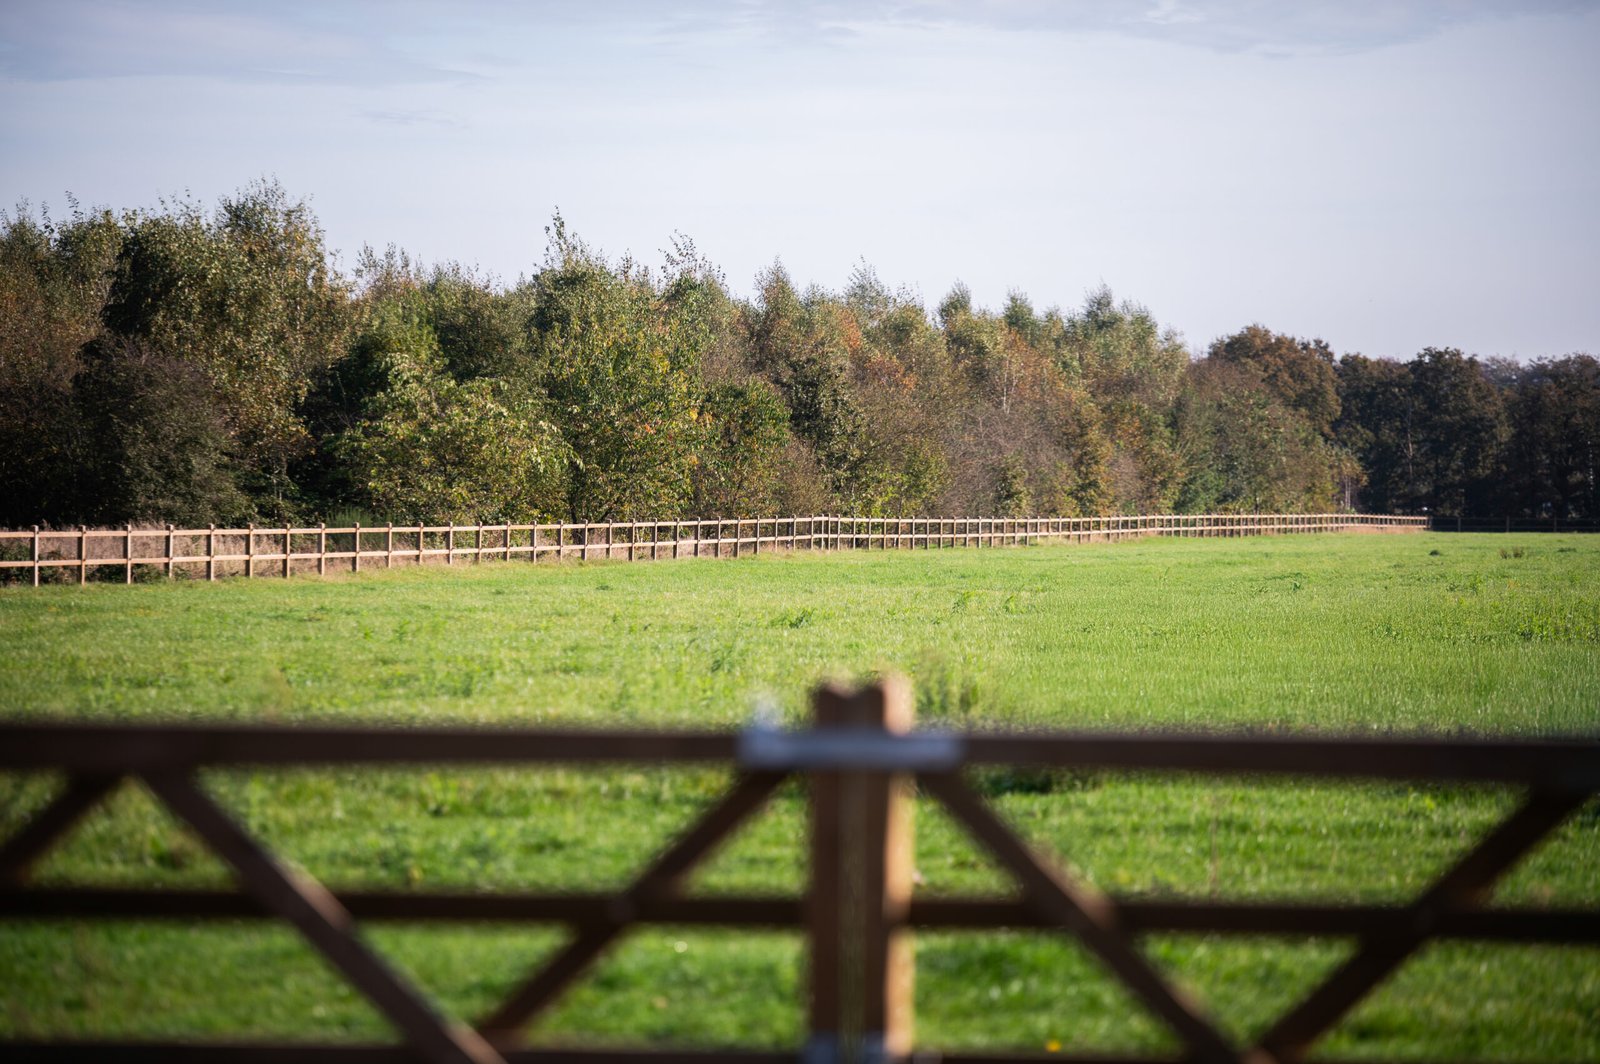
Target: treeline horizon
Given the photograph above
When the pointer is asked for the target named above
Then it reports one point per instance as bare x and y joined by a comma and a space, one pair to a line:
191, 365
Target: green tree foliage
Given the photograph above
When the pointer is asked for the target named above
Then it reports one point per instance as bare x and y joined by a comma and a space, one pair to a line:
1377, 424
247, 296
191, 365
801, 346
1460, 419
1246, 449
1555, 454
53, 282
431, 448
619, 363
738, 471
1431, 435
161, 451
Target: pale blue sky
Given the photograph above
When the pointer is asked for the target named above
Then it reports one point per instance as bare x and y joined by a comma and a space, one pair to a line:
1386, 176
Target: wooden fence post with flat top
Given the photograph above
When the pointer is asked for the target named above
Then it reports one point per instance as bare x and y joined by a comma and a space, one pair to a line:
861, 967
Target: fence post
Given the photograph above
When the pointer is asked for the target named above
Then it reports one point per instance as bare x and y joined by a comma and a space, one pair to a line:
355, 563
861, 970
322, 548
388, 546
249, 551
288, 551
450, 544
211, 552
127, 554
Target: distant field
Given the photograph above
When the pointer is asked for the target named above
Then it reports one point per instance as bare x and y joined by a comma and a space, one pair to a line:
1335, 633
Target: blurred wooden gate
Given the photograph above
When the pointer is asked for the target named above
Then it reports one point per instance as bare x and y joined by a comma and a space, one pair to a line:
862, 760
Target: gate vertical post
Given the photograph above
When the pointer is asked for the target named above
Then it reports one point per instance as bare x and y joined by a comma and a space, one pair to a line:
862, 966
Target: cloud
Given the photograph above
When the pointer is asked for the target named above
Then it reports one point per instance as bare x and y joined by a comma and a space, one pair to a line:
1258, 26
77, 39
406, 42
413, 119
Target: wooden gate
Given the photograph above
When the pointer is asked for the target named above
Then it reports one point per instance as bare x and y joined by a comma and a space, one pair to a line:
861, 759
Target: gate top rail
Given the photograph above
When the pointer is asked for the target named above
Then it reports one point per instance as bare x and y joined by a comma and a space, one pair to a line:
1572, 763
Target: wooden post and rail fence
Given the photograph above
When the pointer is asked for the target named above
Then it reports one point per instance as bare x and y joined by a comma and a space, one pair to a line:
208, 553
862, 762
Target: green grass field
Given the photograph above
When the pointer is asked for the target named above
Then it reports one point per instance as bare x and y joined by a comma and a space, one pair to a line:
1407, 633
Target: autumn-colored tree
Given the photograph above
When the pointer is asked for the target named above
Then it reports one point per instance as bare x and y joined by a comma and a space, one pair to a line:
1133, 370
1298, 372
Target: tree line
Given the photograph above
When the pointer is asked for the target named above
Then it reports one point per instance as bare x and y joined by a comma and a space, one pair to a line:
191, 365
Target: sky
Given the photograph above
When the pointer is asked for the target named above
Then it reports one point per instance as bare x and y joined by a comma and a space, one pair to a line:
1384, 176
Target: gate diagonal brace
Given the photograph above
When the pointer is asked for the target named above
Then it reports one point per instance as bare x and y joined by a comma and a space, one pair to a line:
1086, 913
308, 906
1460, 889
23, 850
661, 879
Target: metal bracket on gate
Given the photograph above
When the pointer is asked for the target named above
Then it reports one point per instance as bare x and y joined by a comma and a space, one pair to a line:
764, 747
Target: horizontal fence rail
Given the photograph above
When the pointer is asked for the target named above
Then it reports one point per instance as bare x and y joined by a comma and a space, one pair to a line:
1514, 524
254, 551
860, 758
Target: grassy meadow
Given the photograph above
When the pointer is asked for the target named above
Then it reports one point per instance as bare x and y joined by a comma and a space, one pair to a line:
1339, 634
